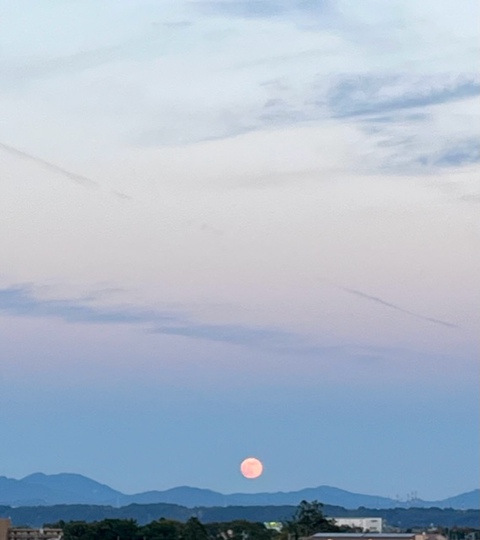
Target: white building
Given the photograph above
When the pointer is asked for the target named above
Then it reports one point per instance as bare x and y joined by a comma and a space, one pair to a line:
366, 524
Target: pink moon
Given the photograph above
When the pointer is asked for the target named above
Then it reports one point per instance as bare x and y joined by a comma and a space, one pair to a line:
251, 467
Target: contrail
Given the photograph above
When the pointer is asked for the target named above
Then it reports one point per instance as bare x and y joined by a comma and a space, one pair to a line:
397, 308
78, 178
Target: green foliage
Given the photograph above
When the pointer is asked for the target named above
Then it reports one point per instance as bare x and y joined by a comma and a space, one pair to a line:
309, 519
108, 529
88, 522
163, 529
239, 529
36, 516
78, 530
194, 530
115, 529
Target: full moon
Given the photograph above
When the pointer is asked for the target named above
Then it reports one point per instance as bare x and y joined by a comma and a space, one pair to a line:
251, 467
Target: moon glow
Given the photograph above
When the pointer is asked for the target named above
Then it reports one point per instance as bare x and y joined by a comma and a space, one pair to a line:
251, 468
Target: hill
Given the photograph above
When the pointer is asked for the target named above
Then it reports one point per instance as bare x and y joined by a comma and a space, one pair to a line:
37, 516
44, 490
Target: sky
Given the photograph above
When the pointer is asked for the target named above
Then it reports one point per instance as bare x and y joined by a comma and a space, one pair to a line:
236, 228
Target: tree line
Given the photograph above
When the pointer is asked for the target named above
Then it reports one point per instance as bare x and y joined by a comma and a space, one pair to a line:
307, 520
399, 518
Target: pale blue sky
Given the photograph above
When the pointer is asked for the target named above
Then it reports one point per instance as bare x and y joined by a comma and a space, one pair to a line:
237, 228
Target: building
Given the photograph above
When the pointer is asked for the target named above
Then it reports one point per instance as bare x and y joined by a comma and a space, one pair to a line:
273, 525
366, 536
365, 524
4, 528
7, 532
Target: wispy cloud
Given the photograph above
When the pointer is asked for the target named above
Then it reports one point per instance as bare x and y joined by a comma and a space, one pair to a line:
471, 197
382, 302
230, 333
372, 99
42, 68
279, 342
412, 152
459, 153
77, 178
20, 301
20, 73
366, 94
397, 110
251, 9
398, 114
273, 340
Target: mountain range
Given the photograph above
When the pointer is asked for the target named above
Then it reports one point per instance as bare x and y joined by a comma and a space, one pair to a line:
40, 489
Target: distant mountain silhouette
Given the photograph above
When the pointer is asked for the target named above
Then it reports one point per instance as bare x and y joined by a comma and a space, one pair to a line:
45, 490
464, 501
64, 488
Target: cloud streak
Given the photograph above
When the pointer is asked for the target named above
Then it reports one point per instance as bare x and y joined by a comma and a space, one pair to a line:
397, 109
20, 301
372, 94
230, 333
261, 9
77, 178
267, 339
460, 153
74, 177
59, 66
382, 302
